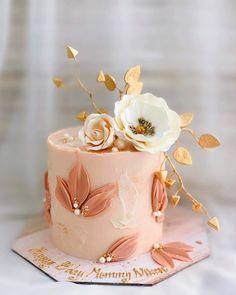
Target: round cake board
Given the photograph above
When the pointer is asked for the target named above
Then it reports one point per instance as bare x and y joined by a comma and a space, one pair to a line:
35, 246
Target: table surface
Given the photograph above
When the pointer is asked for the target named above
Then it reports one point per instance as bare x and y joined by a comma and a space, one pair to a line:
187, 53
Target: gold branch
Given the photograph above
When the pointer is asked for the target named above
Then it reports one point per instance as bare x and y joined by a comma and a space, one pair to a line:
86, 90
182, 187
193, 133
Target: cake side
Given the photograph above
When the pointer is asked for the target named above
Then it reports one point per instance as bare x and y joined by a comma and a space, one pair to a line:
130, 209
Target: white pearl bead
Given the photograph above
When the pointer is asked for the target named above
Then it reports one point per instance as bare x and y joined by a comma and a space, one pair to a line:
70, 139
156, 246
66, 135
102, 259
154, 213
108, 259
75, 205
120, 144
157, 213
115, 149
77, 212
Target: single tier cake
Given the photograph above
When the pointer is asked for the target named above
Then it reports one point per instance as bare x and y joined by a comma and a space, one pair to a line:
105, 188
99, 198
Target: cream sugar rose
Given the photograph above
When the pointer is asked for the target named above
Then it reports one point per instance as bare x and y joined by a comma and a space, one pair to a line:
105, 205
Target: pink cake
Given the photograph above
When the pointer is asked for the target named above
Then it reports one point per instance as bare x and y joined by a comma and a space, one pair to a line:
107, 180
129, 211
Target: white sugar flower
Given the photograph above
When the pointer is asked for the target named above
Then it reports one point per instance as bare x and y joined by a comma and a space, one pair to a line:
147, 122
97, 133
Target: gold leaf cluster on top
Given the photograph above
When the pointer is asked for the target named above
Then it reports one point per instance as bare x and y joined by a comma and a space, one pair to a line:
132, 84
182, 156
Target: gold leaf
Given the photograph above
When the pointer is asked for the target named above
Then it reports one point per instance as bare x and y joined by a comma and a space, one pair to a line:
182, 156
169, 182
110, 82
58, 82
82, 116
208, 141
186, 119
214, 223
71, 52
102, 111
132, 75
197, 207
101, 77
161, 175
135, 89
175, 200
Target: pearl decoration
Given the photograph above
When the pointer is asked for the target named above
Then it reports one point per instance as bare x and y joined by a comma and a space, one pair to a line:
120, 144
114, 149
102, 260
70, 139
75, 205
156, 246
157, 214
108, 259
77, 212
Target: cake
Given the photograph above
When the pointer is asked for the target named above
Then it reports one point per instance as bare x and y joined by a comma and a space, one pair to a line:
107, 179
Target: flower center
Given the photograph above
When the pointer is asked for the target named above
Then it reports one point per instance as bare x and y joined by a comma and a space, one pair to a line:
144, 127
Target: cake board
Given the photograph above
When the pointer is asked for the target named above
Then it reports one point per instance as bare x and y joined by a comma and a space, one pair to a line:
34, 245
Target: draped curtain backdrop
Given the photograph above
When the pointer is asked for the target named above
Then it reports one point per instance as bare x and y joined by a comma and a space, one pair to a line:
187, 53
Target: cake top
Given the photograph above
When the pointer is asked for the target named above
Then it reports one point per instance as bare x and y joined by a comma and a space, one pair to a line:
141, 122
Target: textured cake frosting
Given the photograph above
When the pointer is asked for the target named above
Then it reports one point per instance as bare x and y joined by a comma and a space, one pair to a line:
128, 212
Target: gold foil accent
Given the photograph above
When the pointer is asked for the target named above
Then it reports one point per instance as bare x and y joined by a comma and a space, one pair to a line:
175, 200
182, 156
197, 207
82, 116
71, 52
161, 175
169, 182
58, 82
110, 82
214, 223
208, 141
135, 89
186, 119
101, 77
132, 75
103, 111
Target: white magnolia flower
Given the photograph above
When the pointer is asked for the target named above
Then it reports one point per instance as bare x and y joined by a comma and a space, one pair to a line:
147, 122
97, 133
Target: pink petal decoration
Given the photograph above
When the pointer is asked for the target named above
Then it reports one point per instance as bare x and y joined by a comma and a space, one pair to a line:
99, 200
185, 247
162, 258
159, 198
46, 183
78, 183
47, 201
47, 212
178, 254
108, 187
123, 248
62, 194
176, 250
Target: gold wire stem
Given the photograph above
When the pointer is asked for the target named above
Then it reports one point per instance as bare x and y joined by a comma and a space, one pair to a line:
86, 90
90, 94
193, 133
182, 187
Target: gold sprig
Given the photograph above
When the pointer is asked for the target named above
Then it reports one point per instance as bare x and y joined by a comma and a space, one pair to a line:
72, 53
132, 84
196, 205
